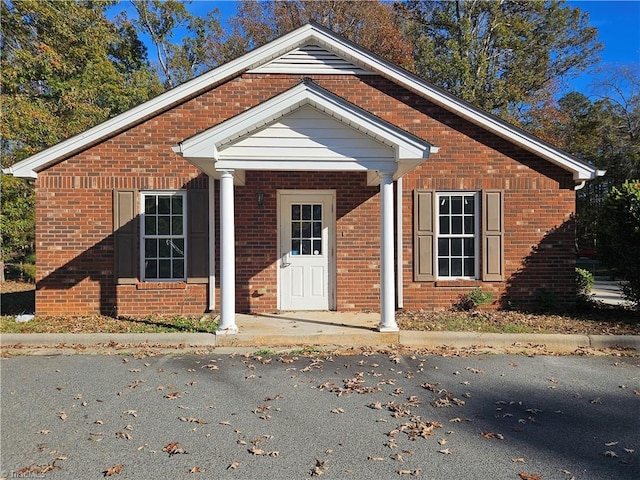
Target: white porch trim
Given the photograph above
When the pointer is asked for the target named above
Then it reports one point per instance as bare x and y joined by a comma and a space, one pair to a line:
227, 256
387, 275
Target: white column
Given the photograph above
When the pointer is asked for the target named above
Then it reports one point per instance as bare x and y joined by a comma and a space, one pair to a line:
227, 256
387, 276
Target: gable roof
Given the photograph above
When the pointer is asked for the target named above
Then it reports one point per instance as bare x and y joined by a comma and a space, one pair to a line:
367, 141
301, 38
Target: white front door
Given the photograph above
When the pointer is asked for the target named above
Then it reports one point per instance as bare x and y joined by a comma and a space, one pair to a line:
307, 251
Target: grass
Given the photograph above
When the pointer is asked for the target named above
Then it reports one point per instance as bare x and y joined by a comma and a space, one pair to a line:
18, 298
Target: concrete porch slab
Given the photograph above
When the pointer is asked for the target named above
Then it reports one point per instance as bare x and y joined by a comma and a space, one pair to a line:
307, 328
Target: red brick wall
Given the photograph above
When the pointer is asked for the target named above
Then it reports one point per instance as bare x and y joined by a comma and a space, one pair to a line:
74, 202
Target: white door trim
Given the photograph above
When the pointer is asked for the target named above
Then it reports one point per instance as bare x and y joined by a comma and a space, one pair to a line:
331, 240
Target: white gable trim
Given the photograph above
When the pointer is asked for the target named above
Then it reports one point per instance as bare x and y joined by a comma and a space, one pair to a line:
405, 151
307, 34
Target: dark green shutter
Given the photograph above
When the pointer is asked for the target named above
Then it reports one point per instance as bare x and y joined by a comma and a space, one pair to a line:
492, 235
424, 236
198, 236
125, 268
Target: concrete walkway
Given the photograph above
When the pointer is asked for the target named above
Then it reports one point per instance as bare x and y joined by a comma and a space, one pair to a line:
608, 292
324, 330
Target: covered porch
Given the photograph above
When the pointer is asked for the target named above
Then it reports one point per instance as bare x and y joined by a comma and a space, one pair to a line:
304, 129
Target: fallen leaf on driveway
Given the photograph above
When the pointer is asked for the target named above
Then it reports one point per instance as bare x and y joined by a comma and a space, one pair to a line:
172, 396
610, 454
375, 459
529, 476
113, 470
196, 470
499, 436
63, 416
445, 451
319, 469
173, 448
192, 420
518, 460
337, 410
233, 465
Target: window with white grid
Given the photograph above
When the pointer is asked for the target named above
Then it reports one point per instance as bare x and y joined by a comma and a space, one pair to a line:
457, 235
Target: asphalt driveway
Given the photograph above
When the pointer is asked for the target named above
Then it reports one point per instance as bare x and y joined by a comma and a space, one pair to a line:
343, 417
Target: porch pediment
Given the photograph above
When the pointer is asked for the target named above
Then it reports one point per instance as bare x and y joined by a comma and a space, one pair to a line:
306, 128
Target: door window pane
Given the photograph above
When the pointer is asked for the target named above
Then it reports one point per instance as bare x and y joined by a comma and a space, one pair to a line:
306, 229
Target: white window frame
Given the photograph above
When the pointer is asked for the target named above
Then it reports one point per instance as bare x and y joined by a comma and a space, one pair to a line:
475, 235
143, 236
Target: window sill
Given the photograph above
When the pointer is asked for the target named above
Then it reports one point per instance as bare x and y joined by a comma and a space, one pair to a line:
458, 283
161, 286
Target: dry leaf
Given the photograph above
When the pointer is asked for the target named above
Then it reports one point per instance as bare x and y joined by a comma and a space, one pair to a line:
375, 459
116, 469
319, 469
629, 450
610, 454
233, 465
172, 396
499, 436
173, 448
529, 476
63, 416
611, 444
196, 470
337, 410
256, 451
446, 451
518, 460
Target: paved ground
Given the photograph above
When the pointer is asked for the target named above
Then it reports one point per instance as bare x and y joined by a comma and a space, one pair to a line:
342, 417
608, 292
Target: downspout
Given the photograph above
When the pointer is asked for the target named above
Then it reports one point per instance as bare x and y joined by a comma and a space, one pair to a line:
399, 257
212, 244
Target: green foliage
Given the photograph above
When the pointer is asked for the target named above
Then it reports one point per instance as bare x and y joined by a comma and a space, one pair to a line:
65, 68
473, 299
497, 54
17, 219
584, 281
619, 236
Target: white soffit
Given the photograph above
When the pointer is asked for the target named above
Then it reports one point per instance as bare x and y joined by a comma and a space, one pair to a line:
312, 59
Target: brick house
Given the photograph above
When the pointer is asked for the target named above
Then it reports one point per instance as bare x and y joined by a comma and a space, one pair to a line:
308, 174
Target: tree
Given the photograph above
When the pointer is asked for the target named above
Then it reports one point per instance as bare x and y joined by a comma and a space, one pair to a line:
65, 68
619, 236
371, 24
62, 76
162, 20
604, 132
497, 54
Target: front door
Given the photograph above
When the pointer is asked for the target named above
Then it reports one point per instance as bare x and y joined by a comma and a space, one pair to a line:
306, 243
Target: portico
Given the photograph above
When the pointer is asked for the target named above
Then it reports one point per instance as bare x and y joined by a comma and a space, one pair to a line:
309, 129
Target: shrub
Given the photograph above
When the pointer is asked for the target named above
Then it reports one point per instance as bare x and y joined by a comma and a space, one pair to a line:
473, 299
584, 281
619, 237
